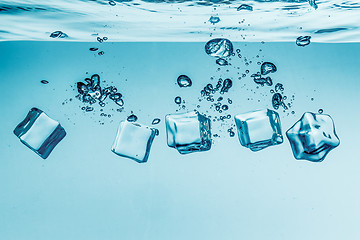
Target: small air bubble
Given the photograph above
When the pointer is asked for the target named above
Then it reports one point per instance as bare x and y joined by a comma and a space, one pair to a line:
132, 118
178, 100
155, 121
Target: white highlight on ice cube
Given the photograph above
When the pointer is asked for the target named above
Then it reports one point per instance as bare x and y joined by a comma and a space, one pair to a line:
133, 141
41, 129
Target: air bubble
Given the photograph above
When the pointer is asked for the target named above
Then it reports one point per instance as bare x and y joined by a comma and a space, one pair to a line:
303, 41
155, 121
184, 81
132, 118
214, 20
268, 67
221, 62
226, 85
276, 100
178, 100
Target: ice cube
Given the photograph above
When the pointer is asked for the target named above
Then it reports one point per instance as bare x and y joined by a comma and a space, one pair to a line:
312, 137
188, 132
259, 129
39, 132
133, 141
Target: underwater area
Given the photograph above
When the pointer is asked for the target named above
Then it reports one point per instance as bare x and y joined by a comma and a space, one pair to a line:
179, 119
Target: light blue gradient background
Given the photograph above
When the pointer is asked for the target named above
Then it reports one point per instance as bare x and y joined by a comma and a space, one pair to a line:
84, 191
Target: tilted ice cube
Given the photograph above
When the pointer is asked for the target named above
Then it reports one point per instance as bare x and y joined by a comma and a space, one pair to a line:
188, 132
312, 137
133, 141
39, 132
259, 129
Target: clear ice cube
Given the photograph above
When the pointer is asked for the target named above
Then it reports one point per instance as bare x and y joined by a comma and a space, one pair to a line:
312, 137
39, 132
259, 129
188, 132
133, 140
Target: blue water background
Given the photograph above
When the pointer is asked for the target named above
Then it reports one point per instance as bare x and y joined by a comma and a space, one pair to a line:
84, 191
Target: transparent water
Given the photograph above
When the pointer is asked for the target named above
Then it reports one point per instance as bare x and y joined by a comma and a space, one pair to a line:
85, 191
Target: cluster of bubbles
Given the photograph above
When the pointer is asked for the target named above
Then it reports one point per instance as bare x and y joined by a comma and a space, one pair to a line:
278, 98
91, 92
219, 105
101, 40
94, 49
266, 68
209, 90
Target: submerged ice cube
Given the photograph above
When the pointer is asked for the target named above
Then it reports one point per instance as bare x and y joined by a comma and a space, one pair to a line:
188, 132
312, 137
133, 141
259, 129
39, 132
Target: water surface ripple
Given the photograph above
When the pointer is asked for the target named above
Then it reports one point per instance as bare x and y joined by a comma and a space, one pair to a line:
180, 20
